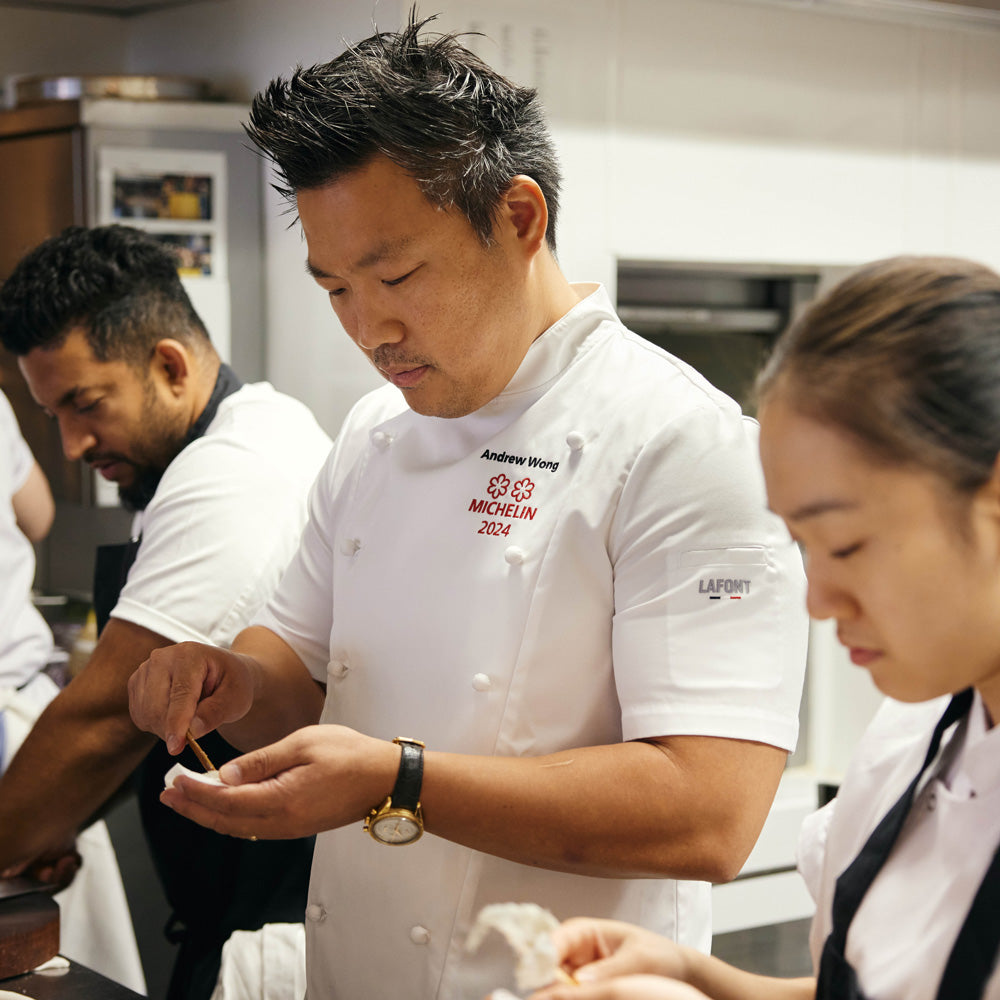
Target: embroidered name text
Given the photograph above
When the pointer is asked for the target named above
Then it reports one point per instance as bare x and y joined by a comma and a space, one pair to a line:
532, 462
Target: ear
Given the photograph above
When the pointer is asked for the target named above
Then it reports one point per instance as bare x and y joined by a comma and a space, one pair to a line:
993, 484
171, 362
986, 501
523, 208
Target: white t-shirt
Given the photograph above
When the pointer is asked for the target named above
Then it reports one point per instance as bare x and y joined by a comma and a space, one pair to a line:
25, 640
586, 559
225, 519
905, 928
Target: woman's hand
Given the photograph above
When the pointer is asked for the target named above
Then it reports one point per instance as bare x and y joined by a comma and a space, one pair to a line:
623, 988
611, 960
594, 950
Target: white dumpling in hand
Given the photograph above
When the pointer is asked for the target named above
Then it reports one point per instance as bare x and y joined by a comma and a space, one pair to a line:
179, 770
528, 929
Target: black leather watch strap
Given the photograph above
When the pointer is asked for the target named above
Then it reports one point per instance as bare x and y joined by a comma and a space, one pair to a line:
406, 791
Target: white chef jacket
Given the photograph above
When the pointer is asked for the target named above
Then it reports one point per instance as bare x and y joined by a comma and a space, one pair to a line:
266, 964
224, 520
25, 640
905, 928
586, 559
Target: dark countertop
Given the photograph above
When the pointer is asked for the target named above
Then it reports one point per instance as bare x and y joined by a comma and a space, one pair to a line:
75, 983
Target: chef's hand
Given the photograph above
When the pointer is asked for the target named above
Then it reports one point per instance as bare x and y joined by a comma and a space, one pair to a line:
56, 867
318, 778
190, 686
604, 955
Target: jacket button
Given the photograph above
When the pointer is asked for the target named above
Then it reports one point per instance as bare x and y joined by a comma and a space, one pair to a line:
575, 440
420, 935
482, 682
381, 440
514, 555
315, 912
349, 546
337, 668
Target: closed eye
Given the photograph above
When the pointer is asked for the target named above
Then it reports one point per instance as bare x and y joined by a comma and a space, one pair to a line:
847, 551
392, 282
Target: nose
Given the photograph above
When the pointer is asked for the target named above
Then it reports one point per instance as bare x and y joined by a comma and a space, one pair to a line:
77, 440
370, 324
824, 597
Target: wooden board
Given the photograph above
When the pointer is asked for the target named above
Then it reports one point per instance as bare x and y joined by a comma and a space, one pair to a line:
29, 933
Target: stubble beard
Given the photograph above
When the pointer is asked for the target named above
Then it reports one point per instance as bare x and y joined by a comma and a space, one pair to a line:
162, 441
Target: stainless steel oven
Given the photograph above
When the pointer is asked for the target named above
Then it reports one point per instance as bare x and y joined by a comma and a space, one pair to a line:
720, 318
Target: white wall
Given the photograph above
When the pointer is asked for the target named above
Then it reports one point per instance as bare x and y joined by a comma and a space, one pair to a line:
739, 131
35, 42
241, 44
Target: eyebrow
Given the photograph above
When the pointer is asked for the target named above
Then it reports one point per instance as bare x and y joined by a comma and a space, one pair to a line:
383, 251
818, 507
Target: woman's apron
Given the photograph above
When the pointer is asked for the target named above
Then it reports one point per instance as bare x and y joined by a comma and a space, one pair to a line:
974, 954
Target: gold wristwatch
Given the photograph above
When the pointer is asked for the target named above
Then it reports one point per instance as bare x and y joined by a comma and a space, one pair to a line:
399, 820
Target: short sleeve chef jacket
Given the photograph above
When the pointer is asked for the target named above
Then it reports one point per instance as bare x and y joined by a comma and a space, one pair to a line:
903, 933
586, 559
25, 640
225, 519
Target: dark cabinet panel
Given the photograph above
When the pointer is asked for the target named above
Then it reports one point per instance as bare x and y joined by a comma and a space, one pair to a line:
41, 192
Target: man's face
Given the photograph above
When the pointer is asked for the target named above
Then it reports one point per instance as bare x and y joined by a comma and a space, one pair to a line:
438, 314
112, 414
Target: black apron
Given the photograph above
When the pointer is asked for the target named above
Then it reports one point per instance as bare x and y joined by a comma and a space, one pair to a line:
974, 954
214, 884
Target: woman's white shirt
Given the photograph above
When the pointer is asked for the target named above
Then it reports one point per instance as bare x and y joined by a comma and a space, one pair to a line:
905, 928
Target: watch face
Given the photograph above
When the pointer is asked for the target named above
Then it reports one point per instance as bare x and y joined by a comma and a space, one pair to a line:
397, 829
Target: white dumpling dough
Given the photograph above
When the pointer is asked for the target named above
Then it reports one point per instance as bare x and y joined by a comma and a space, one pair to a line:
528, 929
179, 770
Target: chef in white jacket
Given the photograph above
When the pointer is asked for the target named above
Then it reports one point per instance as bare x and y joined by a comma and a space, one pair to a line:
542, 551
